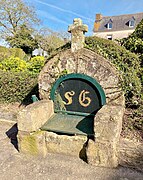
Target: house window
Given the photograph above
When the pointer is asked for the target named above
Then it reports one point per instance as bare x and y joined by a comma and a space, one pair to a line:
131, 23
109, 25
109, 37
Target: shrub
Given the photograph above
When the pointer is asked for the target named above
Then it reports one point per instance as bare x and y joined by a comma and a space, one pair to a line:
18, 78
134, 43
35, 64
126, 62
16, 86
14, 64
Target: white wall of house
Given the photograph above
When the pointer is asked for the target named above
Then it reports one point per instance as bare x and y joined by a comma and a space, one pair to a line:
114, 34
39, 52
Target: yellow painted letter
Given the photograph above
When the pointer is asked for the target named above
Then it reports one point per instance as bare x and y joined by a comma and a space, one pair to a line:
82, 99
68, 96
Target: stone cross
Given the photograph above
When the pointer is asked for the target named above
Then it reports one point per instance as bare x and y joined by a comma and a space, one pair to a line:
77, 30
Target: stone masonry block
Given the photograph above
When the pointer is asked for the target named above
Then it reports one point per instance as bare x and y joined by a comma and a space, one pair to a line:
35, 115
63, 144
108, 123
102, 154
32, 143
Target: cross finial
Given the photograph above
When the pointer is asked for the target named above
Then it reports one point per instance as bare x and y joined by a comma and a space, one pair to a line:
77, 30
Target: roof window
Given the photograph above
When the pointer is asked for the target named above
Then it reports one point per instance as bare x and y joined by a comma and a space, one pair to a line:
131, 23
109, 24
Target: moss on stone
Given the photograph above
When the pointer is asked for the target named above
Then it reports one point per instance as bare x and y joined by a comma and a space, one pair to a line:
29, 144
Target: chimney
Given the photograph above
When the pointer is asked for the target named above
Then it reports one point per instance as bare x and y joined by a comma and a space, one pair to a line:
97, 22
98, 17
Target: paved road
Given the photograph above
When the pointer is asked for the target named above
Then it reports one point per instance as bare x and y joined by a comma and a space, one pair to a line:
16, 166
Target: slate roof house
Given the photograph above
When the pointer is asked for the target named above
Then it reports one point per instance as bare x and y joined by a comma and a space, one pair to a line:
116, 27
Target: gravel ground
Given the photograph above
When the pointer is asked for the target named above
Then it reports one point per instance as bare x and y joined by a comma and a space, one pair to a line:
16, 166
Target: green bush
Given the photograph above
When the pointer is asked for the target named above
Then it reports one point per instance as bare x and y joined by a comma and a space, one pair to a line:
18, 78
14, 64
126, 62
36, 63
134, 43
16, 86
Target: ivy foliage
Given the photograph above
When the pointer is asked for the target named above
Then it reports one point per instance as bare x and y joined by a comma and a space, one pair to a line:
134, 43
126, 62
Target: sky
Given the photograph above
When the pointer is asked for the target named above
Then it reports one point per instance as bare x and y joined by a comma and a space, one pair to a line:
58, 14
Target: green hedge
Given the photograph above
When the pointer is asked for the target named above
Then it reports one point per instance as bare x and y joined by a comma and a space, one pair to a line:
126, 62
18, 78
17, 87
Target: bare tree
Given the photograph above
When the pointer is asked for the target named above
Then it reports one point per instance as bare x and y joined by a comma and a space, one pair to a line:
50, 40
14, 14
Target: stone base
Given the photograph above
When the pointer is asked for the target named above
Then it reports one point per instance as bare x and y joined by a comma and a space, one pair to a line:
127, 153
43, 142
102, 154
32, 143
64, 144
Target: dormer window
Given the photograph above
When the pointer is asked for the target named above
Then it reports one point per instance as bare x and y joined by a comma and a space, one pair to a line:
109, 24
131, 23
